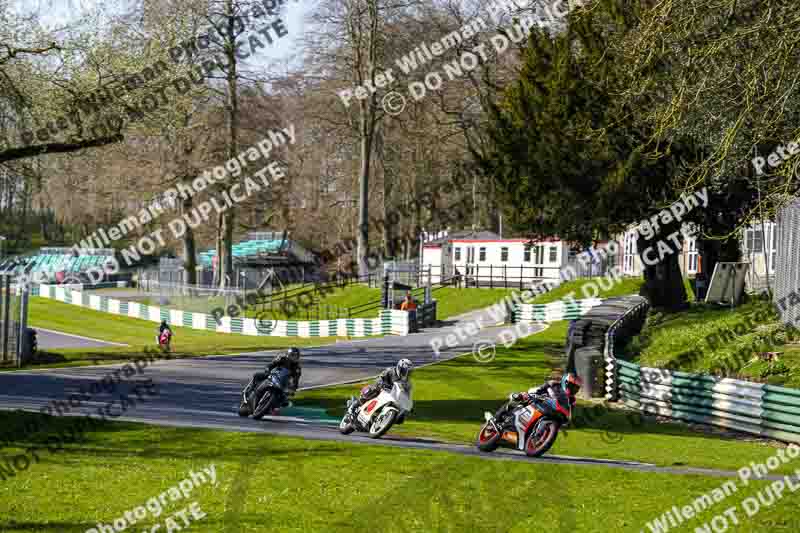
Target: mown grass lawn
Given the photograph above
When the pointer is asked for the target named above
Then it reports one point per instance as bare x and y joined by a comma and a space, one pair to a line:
450, 399
598, 287
139, 335
271, 483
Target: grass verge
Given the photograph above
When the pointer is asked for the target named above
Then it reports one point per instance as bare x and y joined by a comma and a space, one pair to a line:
293, 485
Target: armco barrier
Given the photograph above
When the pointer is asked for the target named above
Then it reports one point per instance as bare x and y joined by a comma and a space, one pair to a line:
756, 408
389, 322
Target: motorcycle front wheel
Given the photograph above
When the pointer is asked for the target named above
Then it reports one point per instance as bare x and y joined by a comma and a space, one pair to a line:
382, 423
265, 405
345, 426
488, 438
541, 438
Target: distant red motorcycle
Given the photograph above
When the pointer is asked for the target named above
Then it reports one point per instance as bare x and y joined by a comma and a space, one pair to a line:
165, 341
530, 427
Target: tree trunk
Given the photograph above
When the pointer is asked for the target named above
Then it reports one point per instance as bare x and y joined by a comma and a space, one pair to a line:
226, 219
189, 248
663, 282
362, 246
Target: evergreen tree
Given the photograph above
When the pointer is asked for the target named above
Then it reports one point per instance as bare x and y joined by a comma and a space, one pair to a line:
574, 160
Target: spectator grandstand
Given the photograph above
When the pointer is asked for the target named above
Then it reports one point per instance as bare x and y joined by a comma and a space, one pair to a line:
262, 246
58, 264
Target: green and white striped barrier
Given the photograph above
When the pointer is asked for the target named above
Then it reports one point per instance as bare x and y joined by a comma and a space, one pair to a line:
388, 322
755, 408
554, 311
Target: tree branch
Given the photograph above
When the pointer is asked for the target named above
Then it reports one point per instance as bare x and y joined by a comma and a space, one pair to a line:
55, 148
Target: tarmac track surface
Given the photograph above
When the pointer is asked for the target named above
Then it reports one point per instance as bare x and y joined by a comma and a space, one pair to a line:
204, 392
48, 338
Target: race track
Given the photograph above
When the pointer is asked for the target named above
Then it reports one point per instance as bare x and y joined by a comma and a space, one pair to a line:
48, 338
204, 392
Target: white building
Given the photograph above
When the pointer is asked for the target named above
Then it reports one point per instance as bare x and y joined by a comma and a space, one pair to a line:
757, 250
485, 259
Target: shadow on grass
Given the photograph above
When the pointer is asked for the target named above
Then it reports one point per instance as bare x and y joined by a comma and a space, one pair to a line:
128, 440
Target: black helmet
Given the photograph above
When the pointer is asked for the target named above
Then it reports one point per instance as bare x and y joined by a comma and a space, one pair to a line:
294, 354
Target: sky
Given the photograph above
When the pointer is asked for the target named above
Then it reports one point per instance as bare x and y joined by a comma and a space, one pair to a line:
56, 13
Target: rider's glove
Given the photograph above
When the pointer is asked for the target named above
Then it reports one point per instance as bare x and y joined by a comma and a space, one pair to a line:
519, 397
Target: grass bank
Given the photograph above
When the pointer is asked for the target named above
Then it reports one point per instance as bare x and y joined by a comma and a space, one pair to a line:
591, 288
139, 335
727, 342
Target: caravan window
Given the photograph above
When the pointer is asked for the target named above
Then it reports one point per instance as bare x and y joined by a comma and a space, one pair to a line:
754, 241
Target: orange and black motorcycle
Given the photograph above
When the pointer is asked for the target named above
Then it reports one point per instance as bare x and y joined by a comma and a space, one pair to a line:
531, 426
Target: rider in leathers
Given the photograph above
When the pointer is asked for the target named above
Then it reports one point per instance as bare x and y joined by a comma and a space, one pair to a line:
562, 392
386, 380
289, 360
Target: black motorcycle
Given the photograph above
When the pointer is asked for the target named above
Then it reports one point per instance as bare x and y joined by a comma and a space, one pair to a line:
262, 397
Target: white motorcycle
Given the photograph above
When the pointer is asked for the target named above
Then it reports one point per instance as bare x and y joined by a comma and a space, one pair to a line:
379, 414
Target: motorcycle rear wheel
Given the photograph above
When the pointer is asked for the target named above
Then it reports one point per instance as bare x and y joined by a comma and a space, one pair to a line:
488, 438
382, 423
265, 405
541, 438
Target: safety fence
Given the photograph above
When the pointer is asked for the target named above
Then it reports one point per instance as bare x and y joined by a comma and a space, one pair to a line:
560, 310
755, 408
388, 322
787, 260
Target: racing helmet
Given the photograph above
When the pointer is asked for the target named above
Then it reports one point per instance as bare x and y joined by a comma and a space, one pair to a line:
293, 354
571, 384
404, 367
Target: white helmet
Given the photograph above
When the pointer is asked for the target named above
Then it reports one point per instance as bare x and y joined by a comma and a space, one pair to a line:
404, 367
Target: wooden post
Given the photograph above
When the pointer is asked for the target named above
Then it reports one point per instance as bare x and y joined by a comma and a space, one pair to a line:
491, 277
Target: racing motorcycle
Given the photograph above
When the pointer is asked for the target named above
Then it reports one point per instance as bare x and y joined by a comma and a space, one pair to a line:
275, 395
165, 341
379, 414
531, 427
